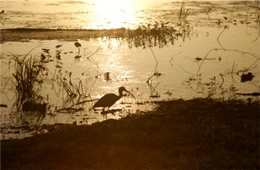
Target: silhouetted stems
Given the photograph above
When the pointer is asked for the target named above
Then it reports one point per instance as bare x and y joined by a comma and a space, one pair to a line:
29, 52
171, 60
156, 65
223, 80
155, 73
225, 49
88, 57
27, 78
5, 85
85, 101
232, 71
172, 65
186, 71
258, 20
225, 27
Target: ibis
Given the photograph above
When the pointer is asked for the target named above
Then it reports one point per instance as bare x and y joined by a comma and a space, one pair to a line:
109, 99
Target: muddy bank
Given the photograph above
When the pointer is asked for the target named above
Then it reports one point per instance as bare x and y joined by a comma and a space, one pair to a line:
140, 37
52, 34
194, 134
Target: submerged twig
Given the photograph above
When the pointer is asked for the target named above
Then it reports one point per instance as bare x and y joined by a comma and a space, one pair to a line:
232, 71
225, 27
170, 61
223, 80
225, 49
230, 50
88, 57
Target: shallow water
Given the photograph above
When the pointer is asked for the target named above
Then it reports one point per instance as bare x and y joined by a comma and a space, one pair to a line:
100, 14
208, 62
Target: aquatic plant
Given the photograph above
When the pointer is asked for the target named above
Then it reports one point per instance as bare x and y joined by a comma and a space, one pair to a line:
184, 28
73, 91
245, 73
153, 92
37, 75
25, 79
29, 73
158, 34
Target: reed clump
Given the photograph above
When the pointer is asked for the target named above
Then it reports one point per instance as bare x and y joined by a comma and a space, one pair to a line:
28, 77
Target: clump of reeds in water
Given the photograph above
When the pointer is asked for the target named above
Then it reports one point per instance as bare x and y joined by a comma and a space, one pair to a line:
28, 77
151, 35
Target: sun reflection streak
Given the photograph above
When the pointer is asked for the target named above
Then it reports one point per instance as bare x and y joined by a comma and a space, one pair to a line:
113, 14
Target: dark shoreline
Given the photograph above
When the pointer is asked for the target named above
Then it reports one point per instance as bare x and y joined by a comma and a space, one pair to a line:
19, 34
194, 134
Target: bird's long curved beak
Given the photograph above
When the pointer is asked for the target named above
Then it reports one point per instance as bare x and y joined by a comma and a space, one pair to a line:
130, 94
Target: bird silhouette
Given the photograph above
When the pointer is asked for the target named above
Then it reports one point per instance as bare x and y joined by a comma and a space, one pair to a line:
110, 99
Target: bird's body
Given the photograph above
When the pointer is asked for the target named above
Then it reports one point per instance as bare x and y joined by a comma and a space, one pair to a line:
110, 99
107, 100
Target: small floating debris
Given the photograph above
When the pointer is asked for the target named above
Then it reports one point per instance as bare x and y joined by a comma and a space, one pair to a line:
198, 58
77, 56
247, 77
3, 105
45, 50
43, 57
58, 66
155, 96
168, 92
70, 110
157, 74
58, 56
58, 46
107, 76
255, 94
77, 44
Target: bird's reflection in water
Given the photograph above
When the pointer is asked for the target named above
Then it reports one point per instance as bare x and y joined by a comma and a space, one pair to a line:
111, 111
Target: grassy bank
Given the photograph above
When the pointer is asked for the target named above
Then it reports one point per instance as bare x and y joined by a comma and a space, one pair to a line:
195, 134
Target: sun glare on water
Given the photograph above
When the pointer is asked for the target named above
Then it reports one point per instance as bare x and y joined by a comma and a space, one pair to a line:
112, 4
113, 14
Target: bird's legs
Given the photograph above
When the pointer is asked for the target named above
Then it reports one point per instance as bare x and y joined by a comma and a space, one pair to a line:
105, 111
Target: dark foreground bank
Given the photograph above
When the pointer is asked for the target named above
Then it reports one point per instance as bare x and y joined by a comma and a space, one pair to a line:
196, 134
